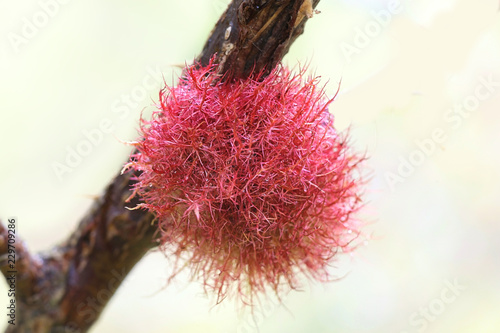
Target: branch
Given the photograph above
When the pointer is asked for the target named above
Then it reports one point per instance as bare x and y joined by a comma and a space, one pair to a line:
66, 288
255, 35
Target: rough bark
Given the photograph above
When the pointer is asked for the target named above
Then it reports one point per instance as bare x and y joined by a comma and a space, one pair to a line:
253, 36
66, 288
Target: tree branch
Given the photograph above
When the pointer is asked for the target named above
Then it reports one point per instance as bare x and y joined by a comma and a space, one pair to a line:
66, 288
255, 35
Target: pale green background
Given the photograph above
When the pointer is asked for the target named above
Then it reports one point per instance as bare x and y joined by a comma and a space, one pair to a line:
441, 224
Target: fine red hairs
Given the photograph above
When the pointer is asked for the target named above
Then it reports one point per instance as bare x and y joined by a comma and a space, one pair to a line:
250, 182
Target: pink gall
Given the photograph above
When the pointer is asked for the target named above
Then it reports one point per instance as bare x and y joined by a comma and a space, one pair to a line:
250, 182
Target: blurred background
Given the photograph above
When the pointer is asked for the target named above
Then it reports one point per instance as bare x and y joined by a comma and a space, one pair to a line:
420, 95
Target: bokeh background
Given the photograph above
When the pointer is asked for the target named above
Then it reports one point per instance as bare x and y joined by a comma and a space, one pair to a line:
409, 69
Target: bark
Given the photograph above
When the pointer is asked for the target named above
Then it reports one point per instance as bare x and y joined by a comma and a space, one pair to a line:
253, 36
66, 288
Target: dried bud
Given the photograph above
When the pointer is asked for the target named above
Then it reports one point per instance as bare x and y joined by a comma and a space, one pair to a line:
249, 180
